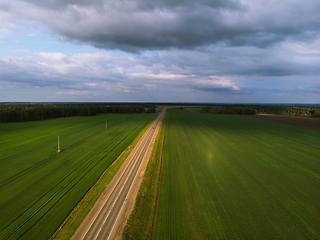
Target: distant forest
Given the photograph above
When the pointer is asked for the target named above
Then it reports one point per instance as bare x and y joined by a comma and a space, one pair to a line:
262, 109
42, 111
36, 112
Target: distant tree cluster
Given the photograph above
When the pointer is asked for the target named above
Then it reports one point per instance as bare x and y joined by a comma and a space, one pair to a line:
230, 110
263, 109
28, 112
151, 109
288, 110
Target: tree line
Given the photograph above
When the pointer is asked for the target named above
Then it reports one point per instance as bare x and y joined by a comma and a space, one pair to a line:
262, 109
230, 110
31, 112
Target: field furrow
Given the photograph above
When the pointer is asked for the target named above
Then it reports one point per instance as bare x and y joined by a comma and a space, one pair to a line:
38, 188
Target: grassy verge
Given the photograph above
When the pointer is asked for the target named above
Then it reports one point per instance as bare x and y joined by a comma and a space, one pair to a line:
141, 221
74, 219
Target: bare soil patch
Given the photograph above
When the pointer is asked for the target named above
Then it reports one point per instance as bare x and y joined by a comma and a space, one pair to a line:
304, 122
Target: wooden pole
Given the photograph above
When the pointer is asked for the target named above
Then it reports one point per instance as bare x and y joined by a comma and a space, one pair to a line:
58, 144
106, 124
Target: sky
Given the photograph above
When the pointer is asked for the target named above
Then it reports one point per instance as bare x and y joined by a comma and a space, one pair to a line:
231, 51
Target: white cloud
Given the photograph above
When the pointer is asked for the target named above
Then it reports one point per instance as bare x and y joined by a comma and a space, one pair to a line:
103, 71
52, 57
7, 30
157, 76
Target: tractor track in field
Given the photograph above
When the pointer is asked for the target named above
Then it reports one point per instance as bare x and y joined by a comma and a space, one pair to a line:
44, 161
83, 167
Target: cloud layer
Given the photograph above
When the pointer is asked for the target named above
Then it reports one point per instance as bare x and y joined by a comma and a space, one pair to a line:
217, 70
199, 49
156, 25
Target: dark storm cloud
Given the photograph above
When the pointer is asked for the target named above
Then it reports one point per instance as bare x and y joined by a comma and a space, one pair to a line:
140, 25
238, 61
143, 4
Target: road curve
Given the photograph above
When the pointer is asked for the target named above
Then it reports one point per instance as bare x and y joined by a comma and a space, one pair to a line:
101, 221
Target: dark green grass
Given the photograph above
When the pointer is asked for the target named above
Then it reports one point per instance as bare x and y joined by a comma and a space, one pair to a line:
232, 177
38, 188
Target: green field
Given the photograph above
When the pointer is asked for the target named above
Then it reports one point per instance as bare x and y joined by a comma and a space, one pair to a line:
232, 177
38, 188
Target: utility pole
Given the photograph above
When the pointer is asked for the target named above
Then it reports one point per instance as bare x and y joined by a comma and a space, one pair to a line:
58, 144
106, 124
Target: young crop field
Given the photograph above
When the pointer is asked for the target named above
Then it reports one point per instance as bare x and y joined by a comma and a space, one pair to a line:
38, 188
233, 177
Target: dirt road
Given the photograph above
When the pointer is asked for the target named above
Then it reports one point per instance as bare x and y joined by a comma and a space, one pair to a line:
108, 216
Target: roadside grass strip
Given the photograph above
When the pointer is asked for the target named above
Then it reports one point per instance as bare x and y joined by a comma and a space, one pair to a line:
39, 188
140, 222
232, 177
